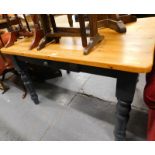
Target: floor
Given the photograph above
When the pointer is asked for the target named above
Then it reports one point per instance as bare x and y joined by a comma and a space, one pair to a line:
67, 111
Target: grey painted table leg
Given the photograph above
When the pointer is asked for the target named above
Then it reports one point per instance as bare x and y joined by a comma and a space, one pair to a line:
125, 90
21, 69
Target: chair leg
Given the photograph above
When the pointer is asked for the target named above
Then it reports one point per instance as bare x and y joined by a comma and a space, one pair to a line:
68, 71
38, 35
1, 41
12, 39
70, 20
5, 72
3, 87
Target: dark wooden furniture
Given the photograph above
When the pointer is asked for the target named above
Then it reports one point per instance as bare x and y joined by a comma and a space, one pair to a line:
113, 21
58, 32
38, 32
6, 64
15, 32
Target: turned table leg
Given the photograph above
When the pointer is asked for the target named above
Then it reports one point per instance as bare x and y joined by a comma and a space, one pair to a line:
21, 69
125, 90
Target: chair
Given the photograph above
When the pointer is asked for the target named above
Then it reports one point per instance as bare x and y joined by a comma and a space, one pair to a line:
6, 64
113, 21
84, 32
9, 22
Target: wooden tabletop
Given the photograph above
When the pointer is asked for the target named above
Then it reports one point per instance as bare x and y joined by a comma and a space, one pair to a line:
132, 51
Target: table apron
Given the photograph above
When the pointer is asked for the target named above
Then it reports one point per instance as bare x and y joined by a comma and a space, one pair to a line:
77, 67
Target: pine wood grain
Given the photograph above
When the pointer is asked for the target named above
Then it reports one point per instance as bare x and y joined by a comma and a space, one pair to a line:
132, 51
